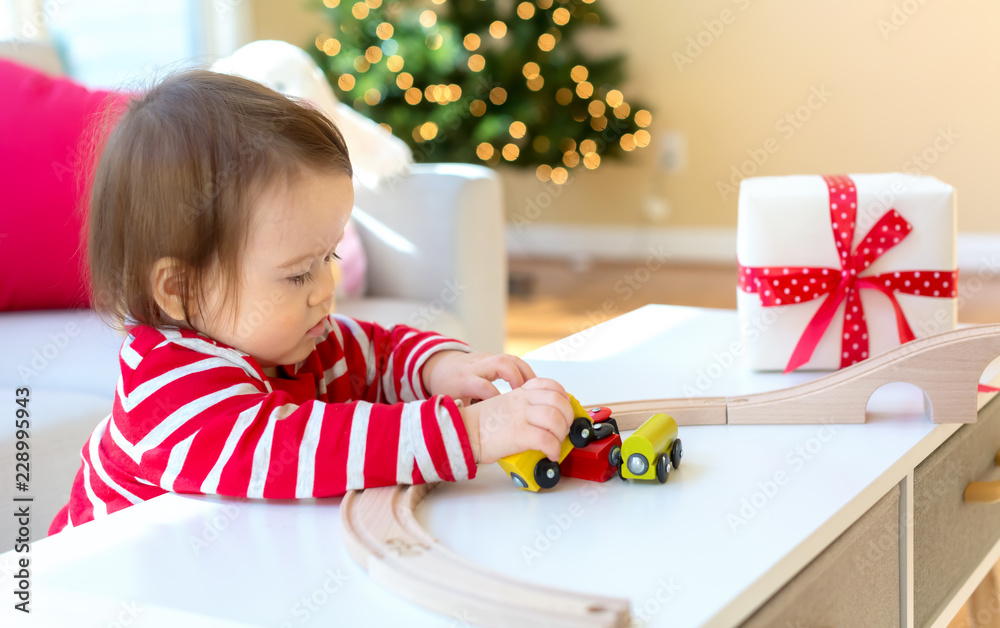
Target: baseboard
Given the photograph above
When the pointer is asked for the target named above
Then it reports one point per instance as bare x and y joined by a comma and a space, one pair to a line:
716, 246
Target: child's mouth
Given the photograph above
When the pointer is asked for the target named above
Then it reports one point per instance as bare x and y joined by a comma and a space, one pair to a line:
316, 330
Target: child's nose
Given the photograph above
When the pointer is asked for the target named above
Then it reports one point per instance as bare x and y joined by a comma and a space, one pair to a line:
323, 292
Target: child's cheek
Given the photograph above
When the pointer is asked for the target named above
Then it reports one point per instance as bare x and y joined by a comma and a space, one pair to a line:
288, 321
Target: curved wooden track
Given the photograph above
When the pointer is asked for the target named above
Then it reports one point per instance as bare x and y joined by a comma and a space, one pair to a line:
945, 366
385, 538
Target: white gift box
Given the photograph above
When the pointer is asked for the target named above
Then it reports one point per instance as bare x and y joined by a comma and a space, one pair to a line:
786, 223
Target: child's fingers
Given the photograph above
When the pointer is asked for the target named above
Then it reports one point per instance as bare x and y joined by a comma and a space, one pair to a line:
544, 383
508, 371
523, 368
479, 388
549, 419
541, 440
557, 401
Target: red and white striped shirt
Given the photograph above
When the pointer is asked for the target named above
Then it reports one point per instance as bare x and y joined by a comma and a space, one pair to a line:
193, 415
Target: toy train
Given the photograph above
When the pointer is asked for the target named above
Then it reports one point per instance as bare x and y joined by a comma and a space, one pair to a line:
595, 451
650, 450
532, 470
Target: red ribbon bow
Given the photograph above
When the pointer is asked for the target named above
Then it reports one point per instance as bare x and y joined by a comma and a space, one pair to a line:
784, 285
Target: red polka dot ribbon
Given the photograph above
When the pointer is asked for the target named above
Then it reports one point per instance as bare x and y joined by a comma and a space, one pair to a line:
788, 285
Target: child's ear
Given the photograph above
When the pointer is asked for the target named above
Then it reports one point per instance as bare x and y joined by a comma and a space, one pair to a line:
167, 279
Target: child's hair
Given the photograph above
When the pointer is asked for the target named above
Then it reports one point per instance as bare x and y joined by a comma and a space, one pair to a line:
177, 177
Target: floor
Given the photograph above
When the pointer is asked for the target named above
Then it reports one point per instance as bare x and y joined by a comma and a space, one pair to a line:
551, 299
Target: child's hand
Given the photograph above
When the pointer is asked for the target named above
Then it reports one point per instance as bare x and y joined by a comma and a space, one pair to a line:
537, 415
468, 376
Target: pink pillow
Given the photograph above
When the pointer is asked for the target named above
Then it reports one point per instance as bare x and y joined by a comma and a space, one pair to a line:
352, 264
42, 123
46, 125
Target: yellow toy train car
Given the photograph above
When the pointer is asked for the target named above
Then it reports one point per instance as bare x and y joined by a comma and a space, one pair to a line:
532, 470
650, 451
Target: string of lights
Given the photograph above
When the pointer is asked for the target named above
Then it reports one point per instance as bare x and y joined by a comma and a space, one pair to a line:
484, 80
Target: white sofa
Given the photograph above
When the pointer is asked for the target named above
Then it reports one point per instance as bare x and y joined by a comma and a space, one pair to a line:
436, 260
435, 251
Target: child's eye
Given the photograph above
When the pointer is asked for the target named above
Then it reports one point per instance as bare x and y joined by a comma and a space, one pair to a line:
300, 280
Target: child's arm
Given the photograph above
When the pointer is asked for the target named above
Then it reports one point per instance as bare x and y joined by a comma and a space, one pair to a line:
198, 423
387, 364
404, 363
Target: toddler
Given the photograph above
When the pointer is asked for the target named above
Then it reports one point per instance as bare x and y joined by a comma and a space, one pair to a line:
216, 208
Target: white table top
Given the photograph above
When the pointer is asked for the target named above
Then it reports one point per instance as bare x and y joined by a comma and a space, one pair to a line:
748, 508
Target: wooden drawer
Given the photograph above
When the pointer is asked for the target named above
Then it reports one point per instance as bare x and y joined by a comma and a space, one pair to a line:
950, 537
853, 582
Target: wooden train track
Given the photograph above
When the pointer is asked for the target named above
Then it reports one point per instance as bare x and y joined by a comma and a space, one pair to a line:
385, 538
945, 366
382, 534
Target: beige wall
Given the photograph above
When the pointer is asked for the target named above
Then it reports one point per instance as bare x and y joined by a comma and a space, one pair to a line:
286, 20
869, 96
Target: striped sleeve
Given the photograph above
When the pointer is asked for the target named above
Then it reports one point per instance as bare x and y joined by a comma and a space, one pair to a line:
203, 421
392, 359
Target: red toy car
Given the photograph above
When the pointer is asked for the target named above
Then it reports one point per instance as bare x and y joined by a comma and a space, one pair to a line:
593, 462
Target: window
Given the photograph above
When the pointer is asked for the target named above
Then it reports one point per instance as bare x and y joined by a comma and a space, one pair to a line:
117, 43
6, 21
110, 43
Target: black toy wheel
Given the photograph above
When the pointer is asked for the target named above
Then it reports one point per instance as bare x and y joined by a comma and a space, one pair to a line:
621, 476
603, 430
662, 468
614, 423
676, 453
581, 433
615, 456
547, 473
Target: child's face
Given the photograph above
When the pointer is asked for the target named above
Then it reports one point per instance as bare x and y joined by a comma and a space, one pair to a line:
287, 280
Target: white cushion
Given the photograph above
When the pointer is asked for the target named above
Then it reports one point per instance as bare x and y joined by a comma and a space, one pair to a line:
59, 349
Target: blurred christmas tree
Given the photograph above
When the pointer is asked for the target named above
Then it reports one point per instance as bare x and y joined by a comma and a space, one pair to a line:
483, 80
